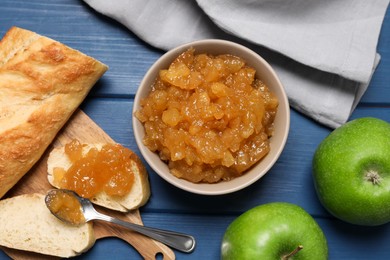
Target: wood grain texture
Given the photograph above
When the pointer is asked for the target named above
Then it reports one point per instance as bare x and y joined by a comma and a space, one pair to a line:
81, 127
110, 106
289, 179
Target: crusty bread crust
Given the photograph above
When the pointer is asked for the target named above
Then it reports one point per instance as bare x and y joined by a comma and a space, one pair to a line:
138, 195
33, 228
42, 82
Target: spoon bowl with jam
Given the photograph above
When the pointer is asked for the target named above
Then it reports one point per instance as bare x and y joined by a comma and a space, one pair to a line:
69, 207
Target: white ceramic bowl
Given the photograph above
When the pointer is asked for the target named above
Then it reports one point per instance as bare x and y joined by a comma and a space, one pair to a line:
277, 141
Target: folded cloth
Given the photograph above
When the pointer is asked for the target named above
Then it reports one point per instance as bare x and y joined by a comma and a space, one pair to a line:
323, 51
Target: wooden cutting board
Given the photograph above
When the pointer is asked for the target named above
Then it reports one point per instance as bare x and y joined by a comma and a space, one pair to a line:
81, 127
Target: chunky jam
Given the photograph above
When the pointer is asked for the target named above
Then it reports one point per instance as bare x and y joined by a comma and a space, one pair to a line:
66, 207
208, 117
106, 170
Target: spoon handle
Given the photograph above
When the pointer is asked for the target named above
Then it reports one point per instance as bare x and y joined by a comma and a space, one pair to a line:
182, 242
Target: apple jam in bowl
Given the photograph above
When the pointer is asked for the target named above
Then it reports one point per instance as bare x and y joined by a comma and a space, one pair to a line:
211, 117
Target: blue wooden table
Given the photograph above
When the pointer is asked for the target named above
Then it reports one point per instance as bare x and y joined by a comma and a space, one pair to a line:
110, 106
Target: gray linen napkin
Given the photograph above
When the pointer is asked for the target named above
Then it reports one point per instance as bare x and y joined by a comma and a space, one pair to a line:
323, 51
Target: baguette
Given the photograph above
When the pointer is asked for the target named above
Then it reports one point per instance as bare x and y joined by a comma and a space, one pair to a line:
27, 224
42, 82
138, 195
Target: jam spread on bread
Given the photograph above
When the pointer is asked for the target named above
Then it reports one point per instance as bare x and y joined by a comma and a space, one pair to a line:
108, 170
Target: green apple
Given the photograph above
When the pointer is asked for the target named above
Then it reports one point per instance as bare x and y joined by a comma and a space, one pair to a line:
351, 172
275, 230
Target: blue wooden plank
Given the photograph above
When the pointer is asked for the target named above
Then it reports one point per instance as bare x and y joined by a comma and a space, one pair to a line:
344, 241
79, 26
379, 90
362, 242
289, 180
114, 117
110, 105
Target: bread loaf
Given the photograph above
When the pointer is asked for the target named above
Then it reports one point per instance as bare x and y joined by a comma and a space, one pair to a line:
42, 82
33, 228
138, 195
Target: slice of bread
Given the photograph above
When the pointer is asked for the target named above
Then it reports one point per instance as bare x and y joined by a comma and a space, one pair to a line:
27, 224
138, 195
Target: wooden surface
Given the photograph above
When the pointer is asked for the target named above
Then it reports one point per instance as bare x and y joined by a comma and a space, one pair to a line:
206, 218
82, 128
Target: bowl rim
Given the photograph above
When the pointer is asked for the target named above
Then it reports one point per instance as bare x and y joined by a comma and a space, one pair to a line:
204, 188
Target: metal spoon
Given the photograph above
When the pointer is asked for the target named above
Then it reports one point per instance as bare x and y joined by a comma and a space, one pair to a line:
179, 241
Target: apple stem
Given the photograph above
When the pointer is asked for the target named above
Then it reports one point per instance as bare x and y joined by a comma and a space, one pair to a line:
294, 252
